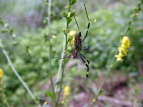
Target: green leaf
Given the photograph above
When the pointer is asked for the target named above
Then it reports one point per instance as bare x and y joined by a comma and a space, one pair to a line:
64, 14
100, 91
50, 94
69, 20
71, 2
1, 22
70, 39
3, 31
72, 14
59, 104
14, 43
11, 31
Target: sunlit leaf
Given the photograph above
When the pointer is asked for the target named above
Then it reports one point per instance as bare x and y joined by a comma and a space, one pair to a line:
50, 94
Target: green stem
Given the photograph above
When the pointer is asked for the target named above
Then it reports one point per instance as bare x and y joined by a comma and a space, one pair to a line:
107, 74
60, 65
62, 76
26, 49
61, 83
16, 73
112, 62
50, 48
65, 60
7, 104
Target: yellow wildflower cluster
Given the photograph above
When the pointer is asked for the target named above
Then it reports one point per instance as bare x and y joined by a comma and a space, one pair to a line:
66, 95
123, 49
66, 91
1, 73
72, 33
71, 38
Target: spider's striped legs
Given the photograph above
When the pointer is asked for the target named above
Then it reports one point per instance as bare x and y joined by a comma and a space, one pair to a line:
66, 56
82, 58
87, 25
85, 58
86, 64
77, 25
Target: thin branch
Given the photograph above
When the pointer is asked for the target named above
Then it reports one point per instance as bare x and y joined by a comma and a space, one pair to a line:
16, 73
112, 62
60, 65
49, 40
62, 76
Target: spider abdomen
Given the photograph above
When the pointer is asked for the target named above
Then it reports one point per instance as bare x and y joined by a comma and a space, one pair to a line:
77, 42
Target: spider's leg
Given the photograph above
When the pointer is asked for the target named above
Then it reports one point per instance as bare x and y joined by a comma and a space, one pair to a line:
86, 64
77, 24
84, 58
87, 25
65, 57
61, 58
86, 47
76, 77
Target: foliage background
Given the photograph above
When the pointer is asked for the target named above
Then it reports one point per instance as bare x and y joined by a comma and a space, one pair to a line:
26, 18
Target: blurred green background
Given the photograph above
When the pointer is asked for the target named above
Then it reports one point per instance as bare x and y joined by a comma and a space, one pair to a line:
26, 18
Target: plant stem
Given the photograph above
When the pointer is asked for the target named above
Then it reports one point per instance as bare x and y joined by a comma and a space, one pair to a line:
50, 48
64, 49
16, 73
112, 62
62, 76
63, 54
60, 65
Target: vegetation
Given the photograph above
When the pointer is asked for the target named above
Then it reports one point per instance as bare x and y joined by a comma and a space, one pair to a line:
34, 33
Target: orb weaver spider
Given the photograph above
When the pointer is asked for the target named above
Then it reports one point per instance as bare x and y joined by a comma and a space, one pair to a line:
78, 44
78, 41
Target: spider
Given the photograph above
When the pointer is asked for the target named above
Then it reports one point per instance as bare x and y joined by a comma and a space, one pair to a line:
78, 44
78, 41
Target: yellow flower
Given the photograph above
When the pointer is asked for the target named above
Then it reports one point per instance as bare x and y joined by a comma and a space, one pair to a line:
62, 102
69, 47
66, 96
71, 39
66, 91
53, 36
45, 103
94, 20
119, 57
69, 14
72, 33
126, 42
1, 73
67, 7
123, 48
65, 52
94, 100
